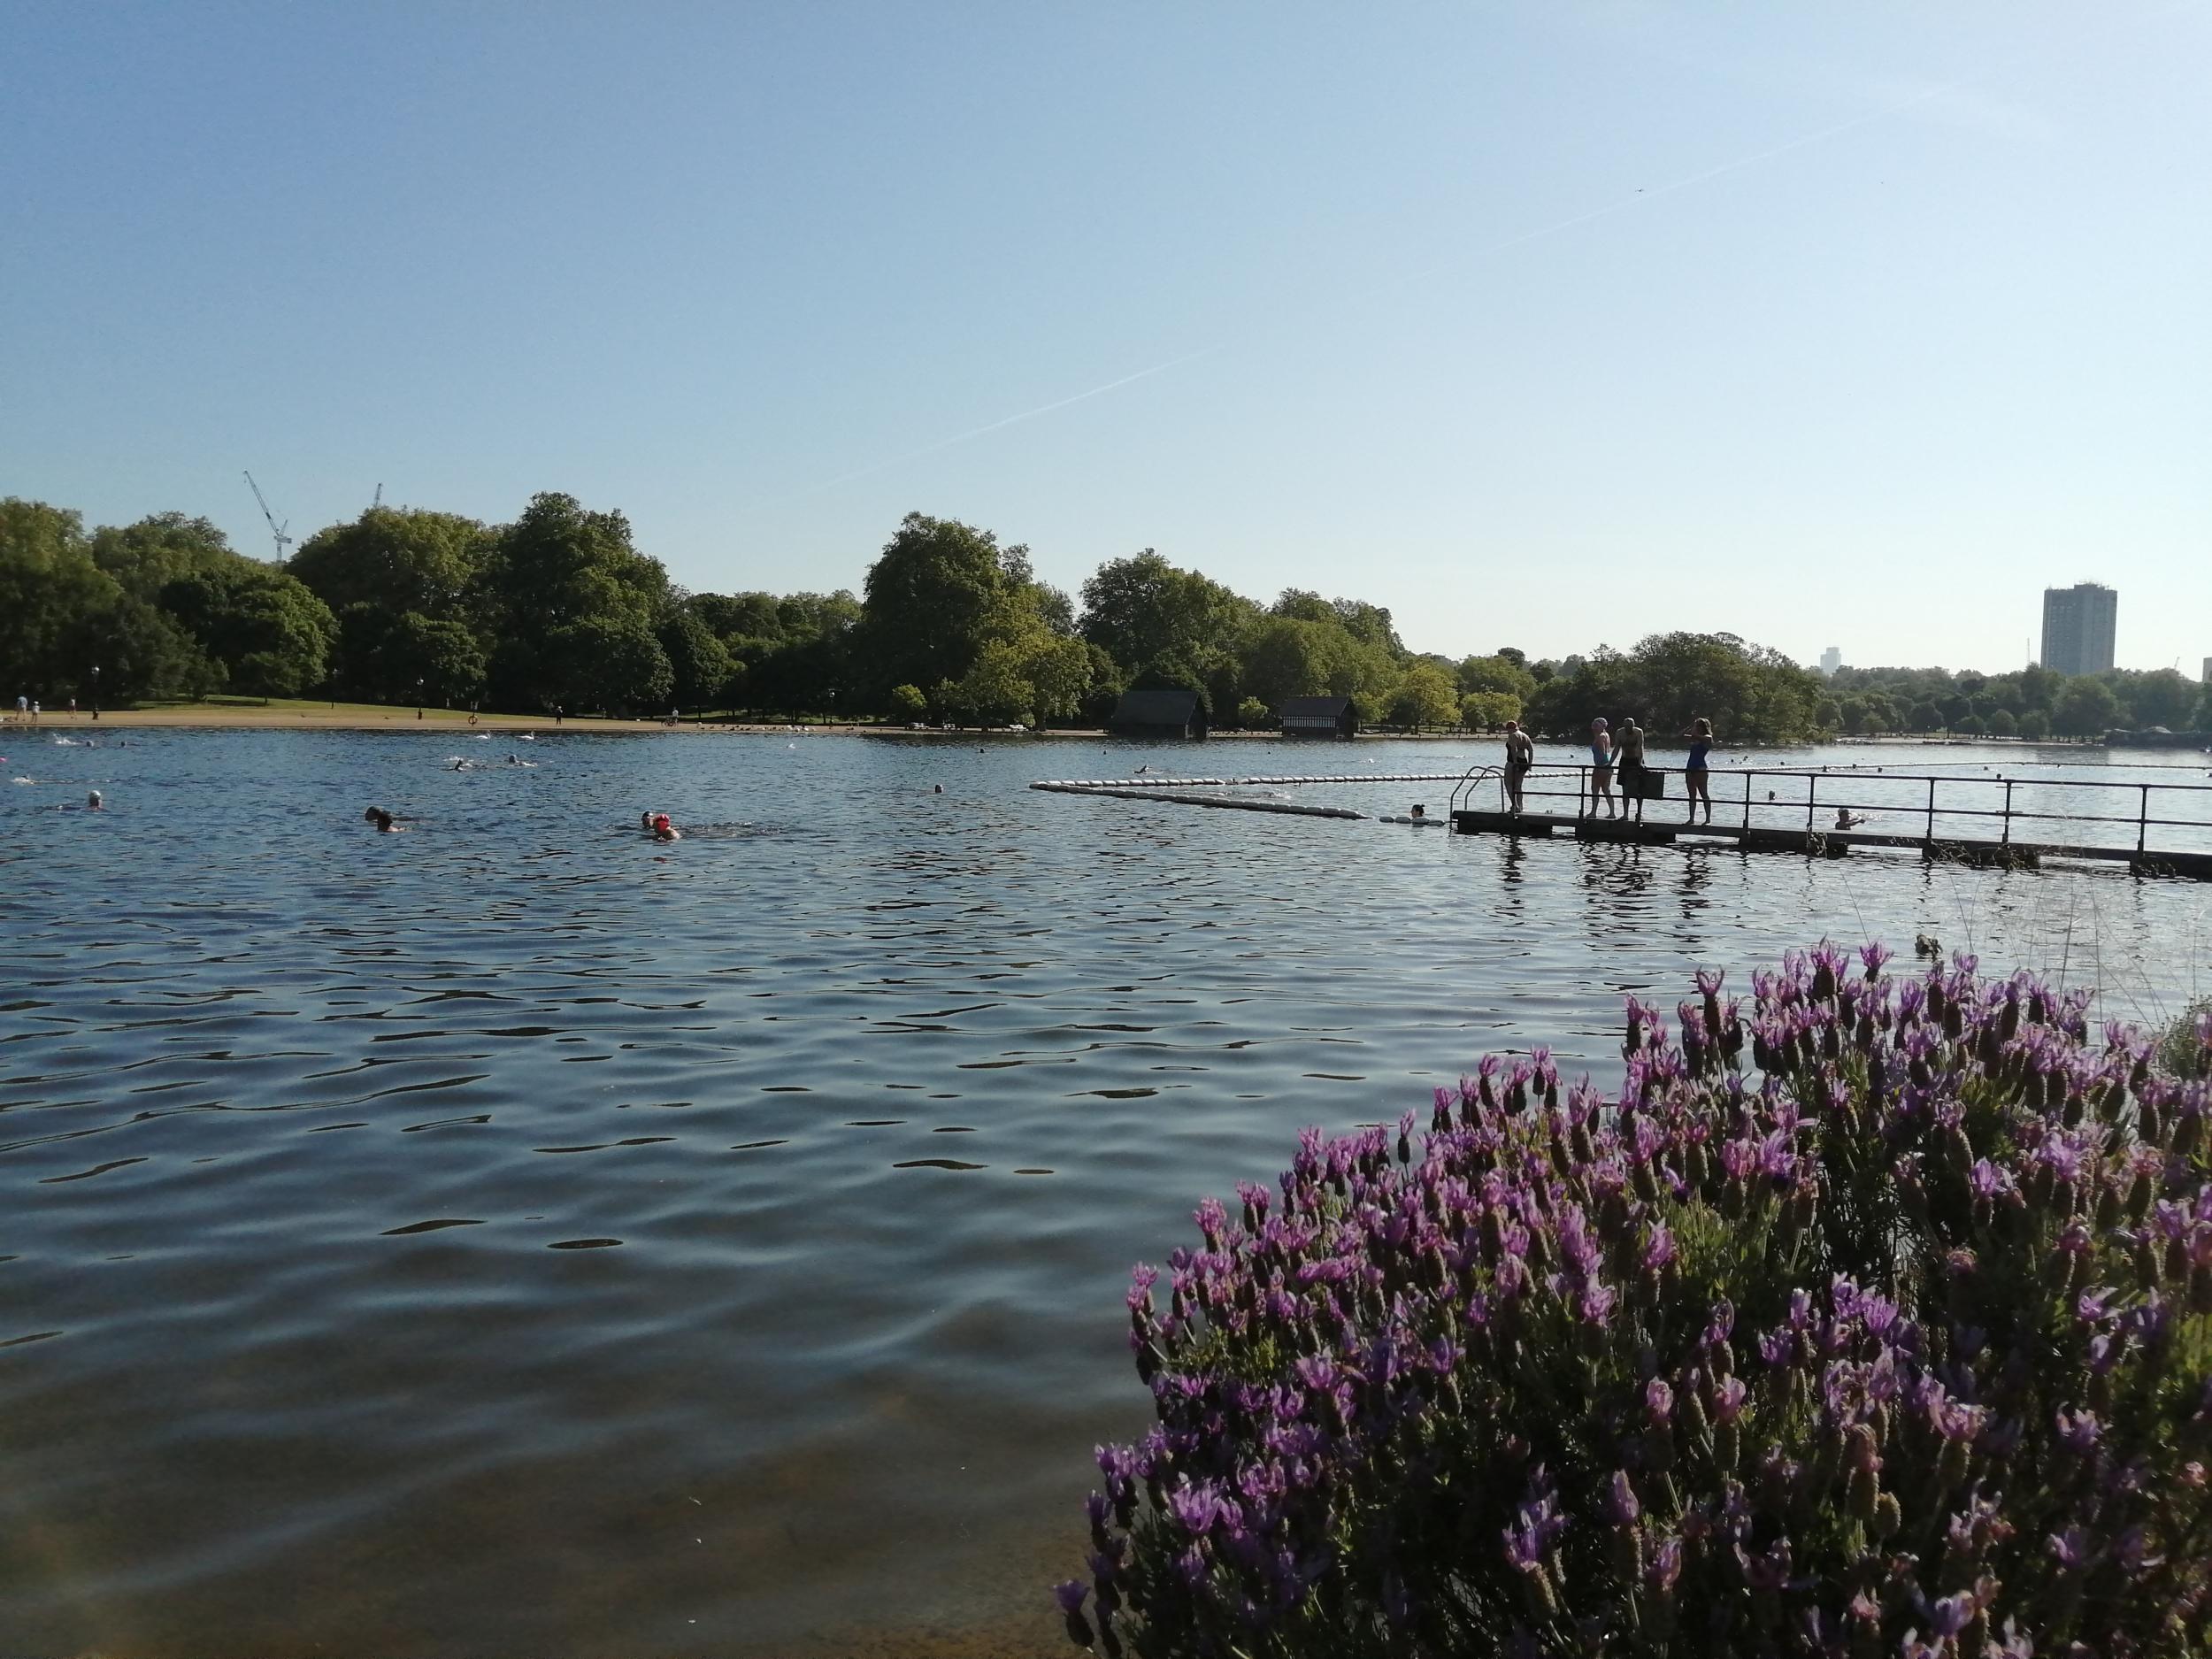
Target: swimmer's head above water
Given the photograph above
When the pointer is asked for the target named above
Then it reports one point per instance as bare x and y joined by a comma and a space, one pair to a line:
382, 819
92, 800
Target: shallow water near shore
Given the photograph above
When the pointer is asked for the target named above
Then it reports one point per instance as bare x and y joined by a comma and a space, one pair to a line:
515, 1235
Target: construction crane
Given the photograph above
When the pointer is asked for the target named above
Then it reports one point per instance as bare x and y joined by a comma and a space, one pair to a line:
378, 502
275, 529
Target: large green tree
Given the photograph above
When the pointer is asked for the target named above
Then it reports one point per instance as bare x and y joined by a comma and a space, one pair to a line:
937, 591
271, 636
700, 664
1426, 696
2086, 708
401, 559
572, 606
1147, 614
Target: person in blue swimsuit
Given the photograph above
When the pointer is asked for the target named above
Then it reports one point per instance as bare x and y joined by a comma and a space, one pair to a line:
1696, 774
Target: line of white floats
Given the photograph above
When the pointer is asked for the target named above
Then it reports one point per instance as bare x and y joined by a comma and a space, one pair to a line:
1117, 792
1240, 783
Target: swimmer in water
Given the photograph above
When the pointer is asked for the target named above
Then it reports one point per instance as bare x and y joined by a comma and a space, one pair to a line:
664, 831
92, 801
382, 819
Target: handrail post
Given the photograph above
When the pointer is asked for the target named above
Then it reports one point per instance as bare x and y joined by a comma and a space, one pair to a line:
1930, 835
2006, 838
2142, 814
1748, 777
1812, 789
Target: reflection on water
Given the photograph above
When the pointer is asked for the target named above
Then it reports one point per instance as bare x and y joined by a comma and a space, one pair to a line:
514, 1236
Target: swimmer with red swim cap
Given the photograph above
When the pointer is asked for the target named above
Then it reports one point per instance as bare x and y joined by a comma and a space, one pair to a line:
664, 830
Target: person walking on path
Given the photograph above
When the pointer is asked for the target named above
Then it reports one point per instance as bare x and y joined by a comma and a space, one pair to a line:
1696, 774
1628, 748
1520, 755
1602, 768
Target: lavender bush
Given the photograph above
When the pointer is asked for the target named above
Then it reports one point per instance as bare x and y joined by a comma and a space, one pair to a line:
1891, 1335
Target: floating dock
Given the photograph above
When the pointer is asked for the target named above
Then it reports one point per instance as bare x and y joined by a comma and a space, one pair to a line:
1997, 823
2025, 835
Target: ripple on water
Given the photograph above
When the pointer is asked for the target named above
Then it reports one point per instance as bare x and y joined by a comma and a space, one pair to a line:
294, 1287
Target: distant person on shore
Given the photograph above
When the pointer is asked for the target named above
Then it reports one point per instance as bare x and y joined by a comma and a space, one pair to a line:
382, 819
1697, 774
1628, 748
1601, 767
1520, 755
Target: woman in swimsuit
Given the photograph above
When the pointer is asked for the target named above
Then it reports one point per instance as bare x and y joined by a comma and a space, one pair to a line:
1601, 767
1696, 774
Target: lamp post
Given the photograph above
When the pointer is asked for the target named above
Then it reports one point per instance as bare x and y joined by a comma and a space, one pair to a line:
95, 691
418, 699
832, 708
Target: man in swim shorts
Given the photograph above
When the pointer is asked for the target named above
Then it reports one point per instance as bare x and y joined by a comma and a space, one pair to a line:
1520, 755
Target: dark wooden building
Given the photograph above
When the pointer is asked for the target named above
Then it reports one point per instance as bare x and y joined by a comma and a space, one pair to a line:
1320, 717
1172, 712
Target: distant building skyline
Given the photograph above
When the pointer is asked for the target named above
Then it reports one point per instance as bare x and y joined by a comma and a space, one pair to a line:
1831, 660
2079, 623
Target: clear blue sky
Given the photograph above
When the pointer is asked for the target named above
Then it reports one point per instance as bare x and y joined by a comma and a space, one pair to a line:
1546, 324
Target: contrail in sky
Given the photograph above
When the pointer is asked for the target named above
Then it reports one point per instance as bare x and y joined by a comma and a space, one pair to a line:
1026, 414
1519, 239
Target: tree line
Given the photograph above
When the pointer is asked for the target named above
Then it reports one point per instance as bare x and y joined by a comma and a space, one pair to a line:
2030, 703
561, 609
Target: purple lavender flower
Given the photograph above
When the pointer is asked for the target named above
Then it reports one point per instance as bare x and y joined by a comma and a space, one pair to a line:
1621, 1506
2070, 1549
2079, 1430
1728, 1399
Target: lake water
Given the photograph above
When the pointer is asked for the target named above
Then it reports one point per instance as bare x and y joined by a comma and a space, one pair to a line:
517, 1237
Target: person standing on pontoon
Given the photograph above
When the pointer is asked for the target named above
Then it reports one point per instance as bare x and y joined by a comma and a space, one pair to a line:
1601, 767
1520, 755
1698, 774
1629, 750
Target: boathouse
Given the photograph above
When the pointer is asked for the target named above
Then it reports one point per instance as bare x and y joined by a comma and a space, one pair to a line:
1320, 717
1172, 711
